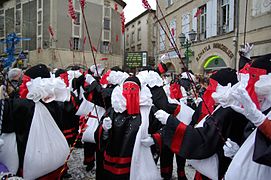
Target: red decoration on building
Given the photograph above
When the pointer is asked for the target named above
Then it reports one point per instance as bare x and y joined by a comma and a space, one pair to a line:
122, 17
50, 29
83, 3
146, 4
71, 10
199, 11
116, 7
117, 38
85, 40
94, 49
172, 31
104, 59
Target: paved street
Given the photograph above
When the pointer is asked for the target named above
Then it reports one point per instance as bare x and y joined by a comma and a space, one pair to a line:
77, 169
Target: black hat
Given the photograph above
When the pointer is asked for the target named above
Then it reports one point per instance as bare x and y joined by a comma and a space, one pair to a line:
147, 68
59, 71
225, 76
116, 68
39, 70
133, 79
263, 62
75, 68
243, 61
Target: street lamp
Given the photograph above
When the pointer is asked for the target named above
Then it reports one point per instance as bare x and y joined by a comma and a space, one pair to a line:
186, 43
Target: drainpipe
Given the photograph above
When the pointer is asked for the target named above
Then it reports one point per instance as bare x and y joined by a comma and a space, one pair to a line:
236, 36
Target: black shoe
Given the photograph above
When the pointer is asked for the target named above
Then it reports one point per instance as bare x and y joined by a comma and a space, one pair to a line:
67, 175
89, 167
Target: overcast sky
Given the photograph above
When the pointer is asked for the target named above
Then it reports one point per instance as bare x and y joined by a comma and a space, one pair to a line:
134, 8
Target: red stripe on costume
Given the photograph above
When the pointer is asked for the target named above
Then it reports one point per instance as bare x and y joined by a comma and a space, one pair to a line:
181, 173
68, 130
90, 96
89, 159
74, 103
157, 138
265, 128
166, 170
69, 136
198, 176
117, 160
178, 138
117, 171
177, 110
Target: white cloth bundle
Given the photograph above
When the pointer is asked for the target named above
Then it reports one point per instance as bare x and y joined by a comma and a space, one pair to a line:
47, 148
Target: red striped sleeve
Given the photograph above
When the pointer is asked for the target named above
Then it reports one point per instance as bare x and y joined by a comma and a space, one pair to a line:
158, 140
178, 138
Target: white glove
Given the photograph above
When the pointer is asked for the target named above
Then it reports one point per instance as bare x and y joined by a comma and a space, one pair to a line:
162, 116
230, 148
250, 110
107, 123
223, 95
246, 50
147, 142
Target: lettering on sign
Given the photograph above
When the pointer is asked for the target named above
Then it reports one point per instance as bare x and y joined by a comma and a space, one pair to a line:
204, 50
223, 48
220, 46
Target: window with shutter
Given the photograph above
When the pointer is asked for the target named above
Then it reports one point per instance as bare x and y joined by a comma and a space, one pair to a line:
224, 17
162, 38
202, 23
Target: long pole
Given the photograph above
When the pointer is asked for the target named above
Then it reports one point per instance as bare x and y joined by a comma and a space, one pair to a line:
245, 26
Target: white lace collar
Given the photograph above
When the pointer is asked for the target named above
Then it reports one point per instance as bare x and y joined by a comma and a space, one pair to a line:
117, 77
150, 78
47, 90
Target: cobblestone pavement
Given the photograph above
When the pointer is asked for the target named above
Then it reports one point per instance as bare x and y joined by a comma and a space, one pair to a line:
78, 172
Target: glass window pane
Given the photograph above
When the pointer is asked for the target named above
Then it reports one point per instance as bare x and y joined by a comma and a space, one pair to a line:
107, 24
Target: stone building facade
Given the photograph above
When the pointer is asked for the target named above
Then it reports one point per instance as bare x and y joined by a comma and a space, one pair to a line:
221, 27
140, 35
69, 43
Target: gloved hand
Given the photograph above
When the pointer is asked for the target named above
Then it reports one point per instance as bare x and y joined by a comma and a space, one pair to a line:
147, 142
107, 123
230, 148
250, 110
246, 50
223, 95
162, 116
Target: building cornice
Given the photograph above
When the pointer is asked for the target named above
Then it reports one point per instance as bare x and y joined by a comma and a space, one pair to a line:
139, 16
120, 2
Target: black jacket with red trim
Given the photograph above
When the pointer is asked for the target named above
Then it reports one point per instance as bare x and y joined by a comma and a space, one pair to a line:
117, 145
203, 142
160, 100
70, 120
98, 95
